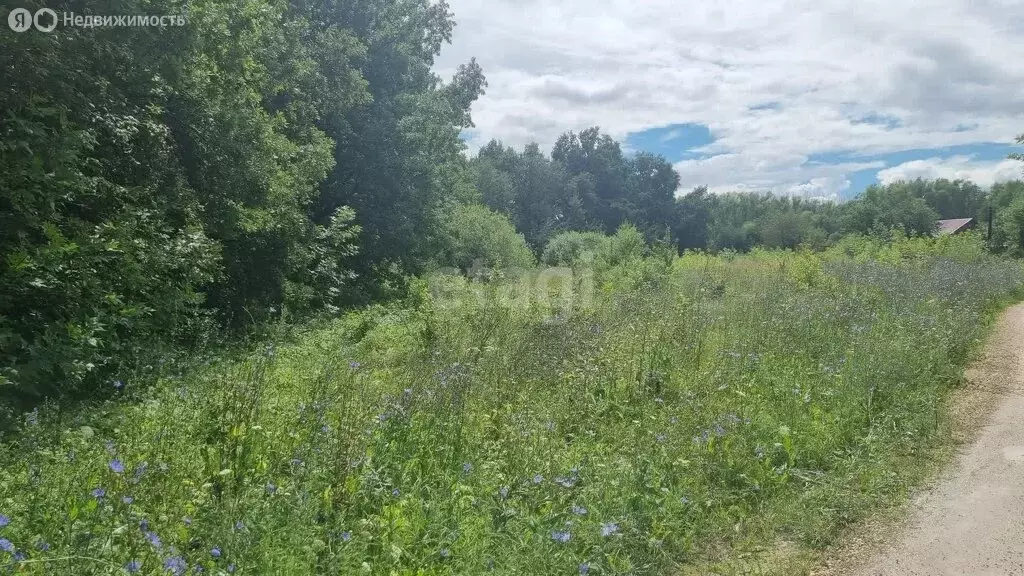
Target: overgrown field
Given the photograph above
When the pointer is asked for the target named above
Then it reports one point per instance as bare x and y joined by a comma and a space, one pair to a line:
634, 416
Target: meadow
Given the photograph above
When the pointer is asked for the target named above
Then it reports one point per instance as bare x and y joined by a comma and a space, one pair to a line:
638, 412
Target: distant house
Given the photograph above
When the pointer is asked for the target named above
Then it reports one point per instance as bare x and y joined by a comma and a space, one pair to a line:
956, 226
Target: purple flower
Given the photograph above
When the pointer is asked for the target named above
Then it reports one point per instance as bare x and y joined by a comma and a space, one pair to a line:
354, 365
117, 467
609, 529
6, 545
186, 520
579, 510
396, 493
215, 552
4, 520
346, 536
98, 493
561, 536
585, 568
144, 525
19, 556
537, 479
133, 566
153, 540
127, 499
467, 468
175, 565
239, 525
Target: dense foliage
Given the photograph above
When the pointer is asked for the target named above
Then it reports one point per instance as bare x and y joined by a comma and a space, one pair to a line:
641, 415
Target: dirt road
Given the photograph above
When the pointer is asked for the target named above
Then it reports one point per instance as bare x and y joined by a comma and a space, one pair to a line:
971, 520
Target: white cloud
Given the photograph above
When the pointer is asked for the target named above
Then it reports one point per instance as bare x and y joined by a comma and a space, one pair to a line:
950, 74
984, 174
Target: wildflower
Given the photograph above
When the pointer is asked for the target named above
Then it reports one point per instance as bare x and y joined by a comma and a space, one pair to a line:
133, 566
231, 568
198, 569
585, 568
4, 520
354, 365
186, 520
98, 493
445, 552
684, 500
396, 493
561, 536
660, 437
565, 482
215, 552
42, 546
6, 545
153, 540
503, 491
537, 479
239, 525
609, 529
346, 536
127, 499
118, 385
116, 467
296, 462
579, 510
467, 468
175, 565
144, 525
271, 488
19, 556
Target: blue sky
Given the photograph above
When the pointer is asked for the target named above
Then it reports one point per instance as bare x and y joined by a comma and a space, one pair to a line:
679, 142
797, 97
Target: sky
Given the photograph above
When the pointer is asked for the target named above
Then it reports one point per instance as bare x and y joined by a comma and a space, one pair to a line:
816, 98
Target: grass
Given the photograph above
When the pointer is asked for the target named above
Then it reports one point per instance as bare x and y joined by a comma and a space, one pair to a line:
659, 416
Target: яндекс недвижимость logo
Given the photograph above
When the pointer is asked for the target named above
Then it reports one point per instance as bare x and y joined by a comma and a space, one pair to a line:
46, 20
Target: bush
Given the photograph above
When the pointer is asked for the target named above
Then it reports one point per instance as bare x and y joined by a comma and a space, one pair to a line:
572, 248
477, 236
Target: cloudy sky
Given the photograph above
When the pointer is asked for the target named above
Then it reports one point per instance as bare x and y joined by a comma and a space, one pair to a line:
812, 97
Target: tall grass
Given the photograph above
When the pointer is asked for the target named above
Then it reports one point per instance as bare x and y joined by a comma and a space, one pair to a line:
642, 418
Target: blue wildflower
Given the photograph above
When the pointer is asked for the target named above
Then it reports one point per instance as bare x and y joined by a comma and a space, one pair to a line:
346, 536
231, 568
215, 552
116, 466
609, 529
396, 493
186, 520
585, 568
4, 520
503, 491
239, 525
354, 365
118, 385
537, 479
579, 510
98, 493
684, 500
198, 569
271, 488
467, 468
153, 540
19, 556
565, 482
561, 536
133, 566
660, 437
127, 499
144, 525
42, 546
6, 545
175, 565
445, 552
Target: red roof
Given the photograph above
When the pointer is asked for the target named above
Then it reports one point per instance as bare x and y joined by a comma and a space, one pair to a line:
955, 225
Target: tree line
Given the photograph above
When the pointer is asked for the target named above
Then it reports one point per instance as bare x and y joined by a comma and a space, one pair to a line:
280, 159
